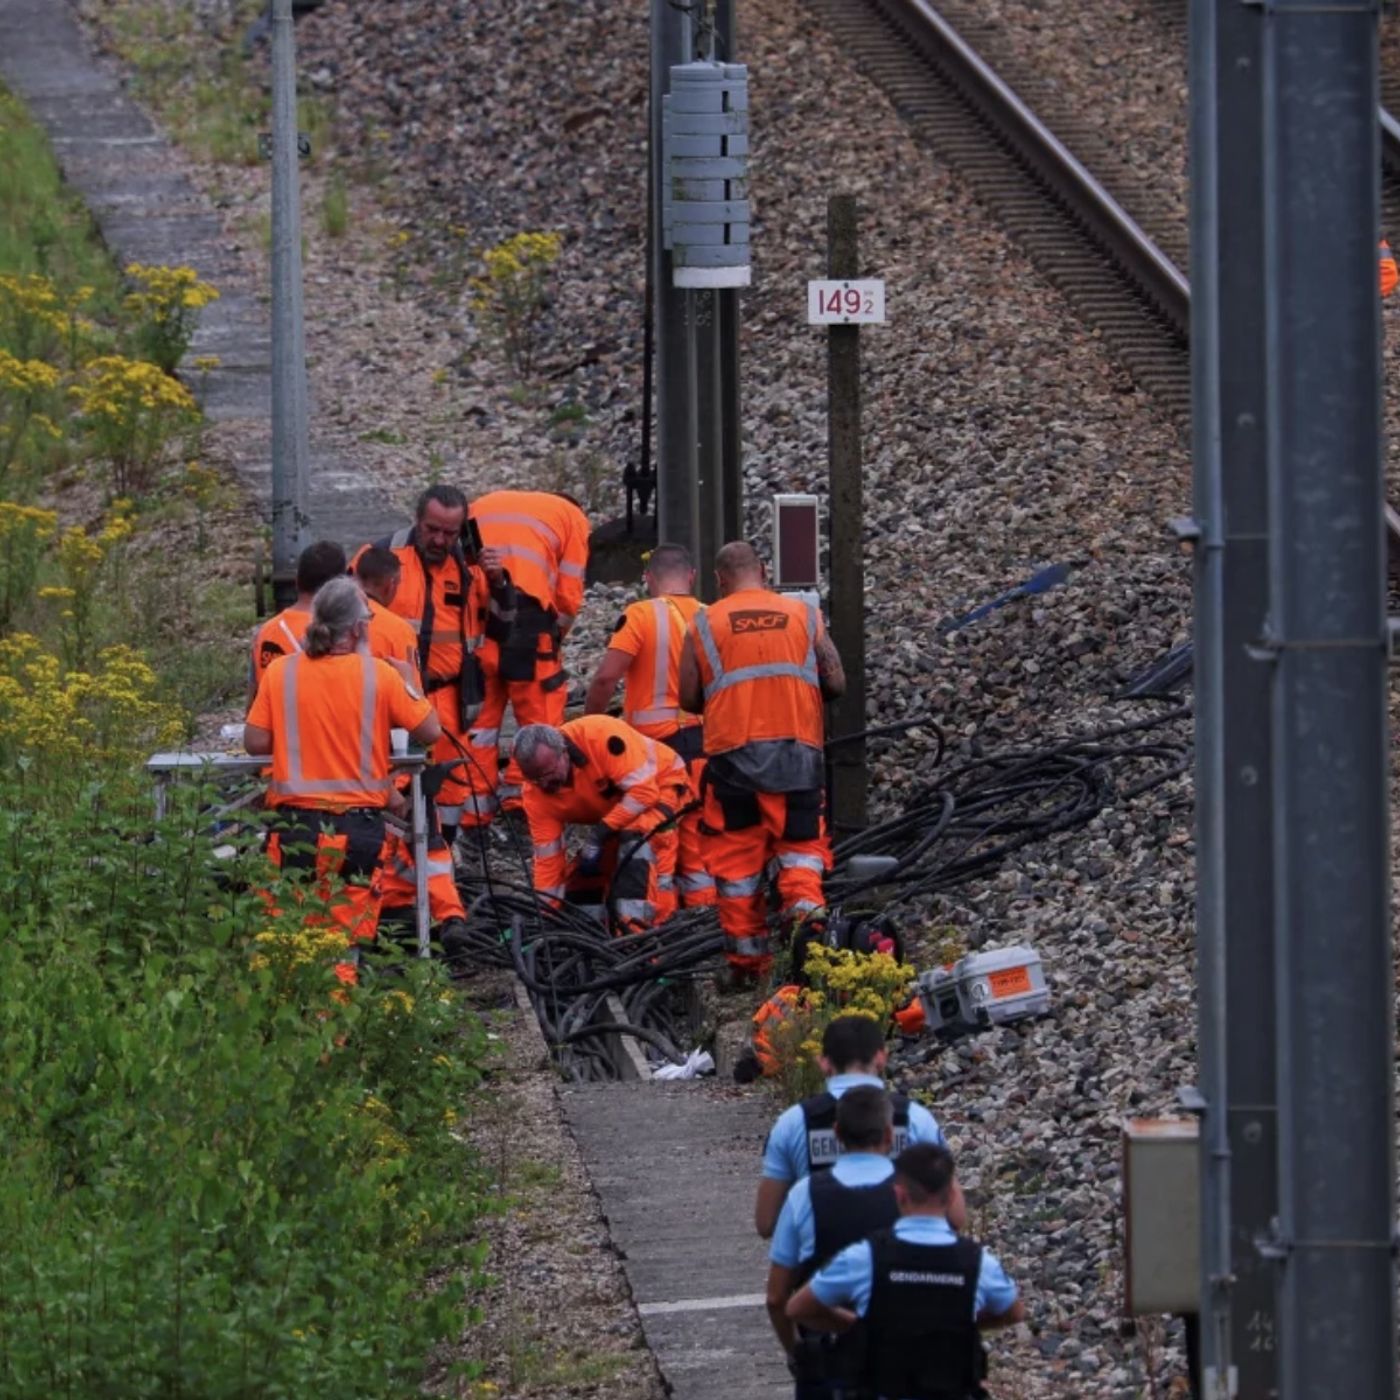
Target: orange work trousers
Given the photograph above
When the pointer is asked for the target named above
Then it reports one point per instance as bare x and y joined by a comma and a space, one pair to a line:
742, 832
692, 885
347, 847
444, 898
636, 889
538, 701
455, 796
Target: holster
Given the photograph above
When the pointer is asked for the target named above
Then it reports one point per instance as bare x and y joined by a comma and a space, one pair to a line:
521, 652
471, 691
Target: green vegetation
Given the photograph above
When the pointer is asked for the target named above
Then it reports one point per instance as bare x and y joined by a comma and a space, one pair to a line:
232, 1170
335, 207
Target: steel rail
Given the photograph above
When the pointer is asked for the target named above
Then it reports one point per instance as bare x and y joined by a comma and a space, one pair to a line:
1118, 236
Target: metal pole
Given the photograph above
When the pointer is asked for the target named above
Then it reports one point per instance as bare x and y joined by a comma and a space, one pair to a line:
290, 470
847, 509
1334, 982
1208, 663
731, 464
677, 490
422, 922
1234, 791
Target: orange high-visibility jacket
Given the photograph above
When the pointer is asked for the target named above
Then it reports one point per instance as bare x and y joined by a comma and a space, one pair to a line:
652, 633
330, 717
758, 665
391, 638
544, 539
280, 635
620, 778
1390, 274
453, 588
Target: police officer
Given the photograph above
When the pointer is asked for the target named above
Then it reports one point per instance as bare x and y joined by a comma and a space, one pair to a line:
921, 1287
803, 1140
825, 1213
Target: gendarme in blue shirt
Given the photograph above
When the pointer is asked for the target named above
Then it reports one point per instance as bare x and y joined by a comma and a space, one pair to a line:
785, 1152
795, 1237
845, 1280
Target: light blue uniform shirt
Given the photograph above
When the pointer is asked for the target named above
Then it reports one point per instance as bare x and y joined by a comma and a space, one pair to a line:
785, 1152
795, 1238
845, 1282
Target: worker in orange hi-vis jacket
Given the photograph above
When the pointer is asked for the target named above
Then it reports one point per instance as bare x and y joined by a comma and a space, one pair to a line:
281, 634
542, 538
391, 637
759, 665
599, 770
1390, 274
324, 715
454, 603
645, 652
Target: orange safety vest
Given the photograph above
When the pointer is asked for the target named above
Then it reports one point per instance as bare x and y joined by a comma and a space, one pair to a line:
460, 599
281, 635
330, 717
544, 540
758, 665
653, 632
617, 775
390, 636
1390, 274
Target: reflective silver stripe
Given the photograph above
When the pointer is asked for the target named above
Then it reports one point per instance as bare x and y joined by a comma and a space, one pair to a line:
642, 774
661, 716
483, 738
633, 806
661, 610
400, 537
414, 622
792, 860
296, 783
522, 551
549, 848
754, 947
697, 882
801, 906
767, 671
551, 891
445, 639
439, 865
666, 882
291, 636
739, 889
515, 517
643, 852
640, 909
707, 641
504, 790
572, 570
451, 813
480, 804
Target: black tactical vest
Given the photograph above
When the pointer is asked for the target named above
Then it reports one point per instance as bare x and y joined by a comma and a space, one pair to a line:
819, 1116
843, 1214
921, 1334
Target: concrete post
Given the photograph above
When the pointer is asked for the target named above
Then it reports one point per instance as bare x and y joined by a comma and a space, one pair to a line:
1333, 974
290, 452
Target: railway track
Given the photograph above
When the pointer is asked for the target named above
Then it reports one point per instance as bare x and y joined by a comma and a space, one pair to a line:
1119, 280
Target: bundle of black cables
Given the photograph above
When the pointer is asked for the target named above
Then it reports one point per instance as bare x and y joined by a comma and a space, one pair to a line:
586, 984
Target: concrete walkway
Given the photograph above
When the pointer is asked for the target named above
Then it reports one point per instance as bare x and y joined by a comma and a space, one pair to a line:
149, 210
675, 1166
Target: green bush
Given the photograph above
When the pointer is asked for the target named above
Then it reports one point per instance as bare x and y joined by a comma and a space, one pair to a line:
227, 1175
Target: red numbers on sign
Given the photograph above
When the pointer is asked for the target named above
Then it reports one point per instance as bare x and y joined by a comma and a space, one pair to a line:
845, 301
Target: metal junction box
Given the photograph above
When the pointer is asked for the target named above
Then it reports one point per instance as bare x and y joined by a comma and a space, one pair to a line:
1162, 1216
705, 198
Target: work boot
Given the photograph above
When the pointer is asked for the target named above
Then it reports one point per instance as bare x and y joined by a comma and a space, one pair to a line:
456, 946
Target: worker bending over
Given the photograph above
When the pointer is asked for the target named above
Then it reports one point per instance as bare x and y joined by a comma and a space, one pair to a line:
542, 539
803, 1141
452, 603
822, 1215
598, 769
324, 714
922, 1289
758, 665
645, 651
281, 634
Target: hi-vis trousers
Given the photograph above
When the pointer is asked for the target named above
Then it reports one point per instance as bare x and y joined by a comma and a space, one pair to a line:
742, 832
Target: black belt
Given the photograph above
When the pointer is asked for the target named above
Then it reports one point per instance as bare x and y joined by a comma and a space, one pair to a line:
436, 683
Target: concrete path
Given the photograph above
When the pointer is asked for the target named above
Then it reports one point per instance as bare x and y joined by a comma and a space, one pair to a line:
675, 1166
149, 210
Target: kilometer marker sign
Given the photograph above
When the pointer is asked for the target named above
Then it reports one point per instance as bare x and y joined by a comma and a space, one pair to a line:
846, 303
